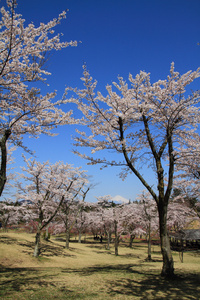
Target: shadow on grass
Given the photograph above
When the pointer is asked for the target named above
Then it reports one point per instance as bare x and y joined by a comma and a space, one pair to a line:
8, 240
100, 249
15, 279
88, 271
131, 282
35, 283
52, 250
143, 284
155, 287
47, 249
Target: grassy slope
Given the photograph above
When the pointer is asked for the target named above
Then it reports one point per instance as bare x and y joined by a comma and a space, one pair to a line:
88, 271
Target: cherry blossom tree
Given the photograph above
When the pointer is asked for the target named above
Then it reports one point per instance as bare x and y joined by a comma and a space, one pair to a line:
179, 214
22, 64
10, 213
65, 219
182, 207
131, 222
115, 213
106, 216
95, 222
71, 208
148, 125
81, 223
10, 208
111, 219
149, 217
49, 185
188, 181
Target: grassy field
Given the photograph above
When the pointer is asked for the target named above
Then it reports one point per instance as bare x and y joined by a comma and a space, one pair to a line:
88, 271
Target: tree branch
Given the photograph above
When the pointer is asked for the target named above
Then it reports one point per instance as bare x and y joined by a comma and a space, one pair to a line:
130, 165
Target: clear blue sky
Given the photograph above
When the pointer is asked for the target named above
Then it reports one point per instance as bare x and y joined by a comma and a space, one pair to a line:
118, 37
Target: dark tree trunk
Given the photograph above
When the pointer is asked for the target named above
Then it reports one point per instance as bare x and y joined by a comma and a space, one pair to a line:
3, 146
132, 236
47, 235
168, 264
163, 198
108, 240
149, 242
67, 229
67, 236
37, 244
116, 239
79, 237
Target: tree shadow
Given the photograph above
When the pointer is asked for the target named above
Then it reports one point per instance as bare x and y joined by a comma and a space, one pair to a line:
88, 271
46, 249
97, 246
183, 286
8, 240
143, 284
49, 250
136, 283
15, 279
39, 282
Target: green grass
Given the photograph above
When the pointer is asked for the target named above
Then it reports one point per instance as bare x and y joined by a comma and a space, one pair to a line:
88, 271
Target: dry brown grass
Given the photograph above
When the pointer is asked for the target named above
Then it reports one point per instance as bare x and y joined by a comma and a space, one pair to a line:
88, 271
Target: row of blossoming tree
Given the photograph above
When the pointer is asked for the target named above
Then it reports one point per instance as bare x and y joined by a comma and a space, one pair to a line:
55, 197
152, 125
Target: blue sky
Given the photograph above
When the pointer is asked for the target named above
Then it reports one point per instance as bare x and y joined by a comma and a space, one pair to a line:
117, 37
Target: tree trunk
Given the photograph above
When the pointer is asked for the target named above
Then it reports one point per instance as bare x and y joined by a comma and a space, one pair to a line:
116, 239
37, 244
67, 238
3, 147
168, 264
108, 241
47, 235
132, 236
79, 237
67, 229
149, 242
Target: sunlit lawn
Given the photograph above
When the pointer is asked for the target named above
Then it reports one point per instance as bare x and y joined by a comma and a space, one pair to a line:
89, 271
